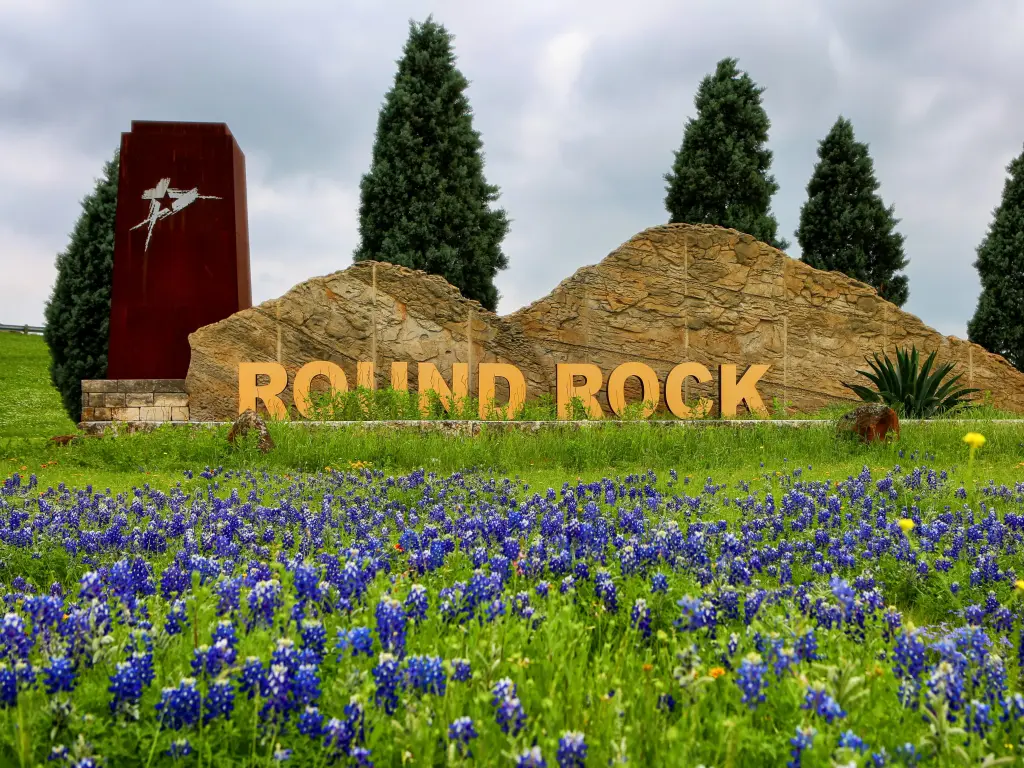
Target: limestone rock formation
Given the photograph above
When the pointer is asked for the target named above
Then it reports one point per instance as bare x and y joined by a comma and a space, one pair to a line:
369, 312
672, 293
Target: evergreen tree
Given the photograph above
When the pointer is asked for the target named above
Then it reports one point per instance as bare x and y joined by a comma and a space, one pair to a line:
720, 175
78, 312
425, 202
844, 225
998, 322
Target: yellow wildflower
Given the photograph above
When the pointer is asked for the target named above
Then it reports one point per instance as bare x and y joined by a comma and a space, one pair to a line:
906, 524
1019, 584
716, 672
974, 439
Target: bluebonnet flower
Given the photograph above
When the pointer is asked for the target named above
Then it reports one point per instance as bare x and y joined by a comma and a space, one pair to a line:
388, 677
502, 689
15, 644
219, 701
850, 740
311, 723
531, 758
358, 639
822, 704
751, 680
8, 687
978, 717
640, 618
605, 589
177, 618
510, 715
126, 688
179, 748
695, 614
208, 661
252, 677
263, 601
802, 741
305, 685
314, 636
342, 736
391, 621
572, 750
659, 583
909, 654
225, 630
461, 670
908, 754
179, 706
416, 603
427, 674
360, 757
462, 731
59, 675
59, 752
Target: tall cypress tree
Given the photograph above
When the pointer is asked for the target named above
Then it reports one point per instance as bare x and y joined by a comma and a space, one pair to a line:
78, 311
720, 175
998, 322
425, 203
844, 225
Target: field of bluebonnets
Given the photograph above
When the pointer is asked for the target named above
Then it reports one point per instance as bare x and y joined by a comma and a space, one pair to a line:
861, 610
717, 597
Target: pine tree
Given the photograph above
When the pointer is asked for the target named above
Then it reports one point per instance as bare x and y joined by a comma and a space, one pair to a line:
998, 322
844, 225
720, 175
425, 203
78, 312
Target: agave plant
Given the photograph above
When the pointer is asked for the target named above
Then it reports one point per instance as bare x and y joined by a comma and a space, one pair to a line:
915, 391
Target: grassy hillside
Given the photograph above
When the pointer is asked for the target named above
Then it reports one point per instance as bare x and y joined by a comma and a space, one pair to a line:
29, 405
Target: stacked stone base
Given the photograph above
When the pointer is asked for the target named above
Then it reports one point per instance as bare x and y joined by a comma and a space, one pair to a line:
134, 400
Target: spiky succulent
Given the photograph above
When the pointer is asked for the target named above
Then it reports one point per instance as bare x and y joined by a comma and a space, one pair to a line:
913, 390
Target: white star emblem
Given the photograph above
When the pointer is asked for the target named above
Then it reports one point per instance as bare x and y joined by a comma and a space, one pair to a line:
173, 201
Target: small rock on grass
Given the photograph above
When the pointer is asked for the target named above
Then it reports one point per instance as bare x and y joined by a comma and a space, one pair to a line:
251, 420
872, 421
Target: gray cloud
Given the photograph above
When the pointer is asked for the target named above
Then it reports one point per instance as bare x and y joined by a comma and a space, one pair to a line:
580, 104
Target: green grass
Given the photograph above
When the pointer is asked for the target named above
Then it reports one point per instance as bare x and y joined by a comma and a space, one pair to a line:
29, 405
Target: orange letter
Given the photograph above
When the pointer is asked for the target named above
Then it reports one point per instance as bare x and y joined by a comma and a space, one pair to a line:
617, 387
249, 390
731, 392
306, 374
364, 376
487, 373
674, 390
430, 380
400, 377
567, 389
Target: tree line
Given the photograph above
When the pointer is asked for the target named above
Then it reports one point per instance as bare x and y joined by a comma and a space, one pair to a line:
426, 204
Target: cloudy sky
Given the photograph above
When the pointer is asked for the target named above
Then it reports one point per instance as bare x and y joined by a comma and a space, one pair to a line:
581, 104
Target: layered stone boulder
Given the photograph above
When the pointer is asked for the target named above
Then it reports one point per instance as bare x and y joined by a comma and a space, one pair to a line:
671, 294
370, 312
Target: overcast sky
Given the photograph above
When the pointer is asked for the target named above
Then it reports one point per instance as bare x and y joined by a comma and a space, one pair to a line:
580, 103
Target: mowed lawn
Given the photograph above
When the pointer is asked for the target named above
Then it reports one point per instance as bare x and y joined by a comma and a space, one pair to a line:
29, 405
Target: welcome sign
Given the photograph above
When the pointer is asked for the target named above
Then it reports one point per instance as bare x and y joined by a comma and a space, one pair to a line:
575, 382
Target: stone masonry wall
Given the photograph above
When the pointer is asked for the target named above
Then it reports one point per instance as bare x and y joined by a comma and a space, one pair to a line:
134, 400
672, 293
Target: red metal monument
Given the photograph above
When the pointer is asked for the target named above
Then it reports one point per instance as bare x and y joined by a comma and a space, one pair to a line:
181, 247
